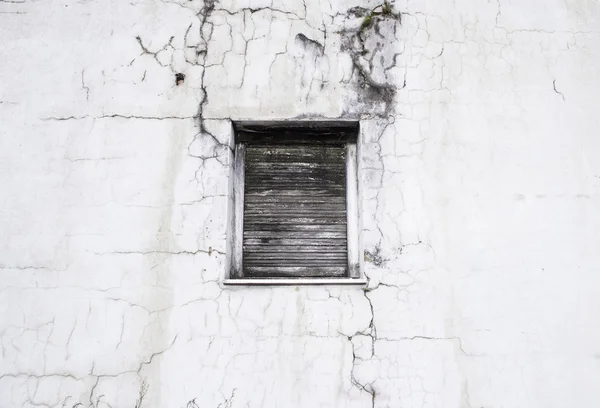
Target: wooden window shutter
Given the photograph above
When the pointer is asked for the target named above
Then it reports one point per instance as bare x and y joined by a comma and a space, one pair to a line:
295, 210
294, 202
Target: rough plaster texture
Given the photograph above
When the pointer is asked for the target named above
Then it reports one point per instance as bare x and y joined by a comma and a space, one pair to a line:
480, 174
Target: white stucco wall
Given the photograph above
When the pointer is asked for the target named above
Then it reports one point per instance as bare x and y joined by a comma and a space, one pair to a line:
480, 173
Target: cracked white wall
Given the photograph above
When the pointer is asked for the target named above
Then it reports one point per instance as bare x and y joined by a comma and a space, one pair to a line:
480, 177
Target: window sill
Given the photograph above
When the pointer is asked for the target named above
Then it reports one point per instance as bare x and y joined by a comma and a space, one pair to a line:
294, 281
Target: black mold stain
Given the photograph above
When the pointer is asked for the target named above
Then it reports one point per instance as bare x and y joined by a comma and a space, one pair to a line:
309, 44
374, 257
179, 78
373, 94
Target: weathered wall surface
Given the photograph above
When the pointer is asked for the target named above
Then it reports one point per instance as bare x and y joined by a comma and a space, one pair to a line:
480, 174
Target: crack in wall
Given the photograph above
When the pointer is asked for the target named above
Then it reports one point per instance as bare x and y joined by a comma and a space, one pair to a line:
557, 91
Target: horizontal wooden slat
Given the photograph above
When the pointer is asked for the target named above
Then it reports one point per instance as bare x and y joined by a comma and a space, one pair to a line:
308, 228
274, 190
299, 230
294, 271
299, 206
296, 234
294, 154
309, 242
283, 224
296, 178
284, 176
290, 205
306, 199
296, 193
296, 168
300, 260
288, 216
297, 249
284, 186
294, 185
286, 161
298, 151
251, 220
332, 177
326, 204
301, 186
290, 212
302, 270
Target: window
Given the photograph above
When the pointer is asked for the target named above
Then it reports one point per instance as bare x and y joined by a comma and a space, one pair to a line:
295, 202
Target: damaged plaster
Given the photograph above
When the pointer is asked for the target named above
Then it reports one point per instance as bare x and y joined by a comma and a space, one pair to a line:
479, 188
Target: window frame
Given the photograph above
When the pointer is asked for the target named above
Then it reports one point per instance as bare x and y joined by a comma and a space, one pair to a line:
234, 270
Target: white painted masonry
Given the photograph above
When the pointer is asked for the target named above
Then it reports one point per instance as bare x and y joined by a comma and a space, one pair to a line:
480, 179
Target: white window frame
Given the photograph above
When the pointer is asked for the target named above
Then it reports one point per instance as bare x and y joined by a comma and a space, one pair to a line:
234, 266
